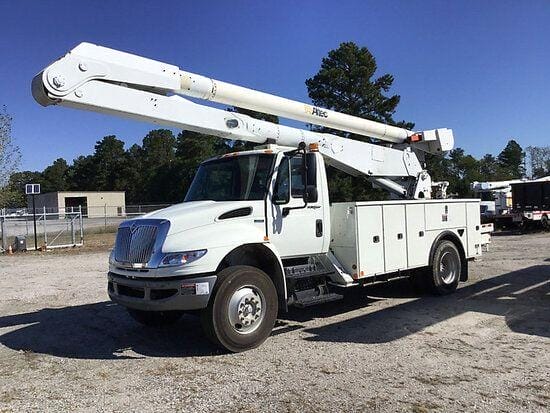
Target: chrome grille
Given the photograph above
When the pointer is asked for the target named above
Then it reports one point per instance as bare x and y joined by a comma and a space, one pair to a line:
135, 244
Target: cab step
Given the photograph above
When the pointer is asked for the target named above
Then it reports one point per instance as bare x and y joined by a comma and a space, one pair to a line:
317, 299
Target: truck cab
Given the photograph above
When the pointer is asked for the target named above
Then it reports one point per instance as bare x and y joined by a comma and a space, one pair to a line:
256, 208
248, 198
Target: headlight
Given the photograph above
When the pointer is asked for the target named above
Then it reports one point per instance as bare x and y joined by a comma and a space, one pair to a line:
174, 259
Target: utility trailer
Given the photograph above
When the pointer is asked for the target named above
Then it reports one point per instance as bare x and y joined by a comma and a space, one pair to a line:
256, 232
531, 203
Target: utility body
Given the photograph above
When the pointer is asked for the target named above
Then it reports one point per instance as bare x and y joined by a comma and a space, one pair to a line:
257, 231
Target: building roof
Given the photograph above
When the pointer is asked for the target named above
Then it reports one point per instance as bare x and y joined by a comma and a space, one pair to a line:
84, 192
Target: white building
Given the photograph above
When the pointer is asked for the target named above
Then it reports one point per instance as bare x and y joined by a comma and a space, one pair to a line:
93, 203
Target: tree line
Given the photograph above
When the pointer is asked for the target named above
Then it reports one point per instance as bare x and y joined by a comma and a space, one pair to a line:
160, 169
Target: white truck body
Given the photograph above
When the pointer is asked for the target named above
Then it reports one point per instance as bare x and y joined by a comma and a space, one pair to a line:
375, 238
257, 231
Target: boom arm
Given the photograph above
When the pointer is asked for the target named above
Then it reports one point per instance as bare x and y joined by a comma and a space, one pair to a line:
109, 81
502, 186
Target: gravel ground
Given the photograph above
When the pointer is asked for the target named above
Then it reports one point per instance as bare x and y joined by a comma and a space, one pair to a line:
64, 347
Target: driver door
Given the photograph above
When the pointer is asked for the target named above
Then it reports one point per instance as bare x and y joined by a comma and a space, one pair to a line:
300, 231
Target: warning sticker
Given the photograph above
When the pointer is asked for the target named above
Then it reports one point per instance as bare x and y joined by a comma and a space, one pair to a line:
202, 288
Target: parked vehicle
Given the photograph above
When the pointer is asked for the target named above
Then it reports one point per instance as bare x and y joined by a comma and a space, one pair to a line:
531, 203
497, 200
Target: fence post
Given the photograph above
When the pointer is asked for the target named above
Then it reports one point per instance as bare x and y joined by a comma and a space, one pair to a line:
45, 230
3, 230
105, 214
72, 231
81, 222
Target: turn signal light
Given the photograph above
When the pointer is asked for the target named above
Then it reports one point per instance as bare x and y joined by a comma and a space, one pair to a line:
417, 137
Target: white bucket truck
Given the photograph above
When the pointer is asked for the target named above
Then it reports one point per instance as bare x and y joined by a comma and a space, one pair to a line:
257, 232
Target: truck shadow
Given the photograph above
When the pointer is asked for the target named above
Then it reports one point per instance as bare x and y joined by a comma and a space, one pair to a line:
103, 330
521, 297
507, 232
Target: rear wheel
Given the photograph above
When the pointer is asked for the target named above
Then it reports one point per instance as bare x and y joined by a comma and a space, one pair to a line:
242, 310
446, 268
545, 222
155, 318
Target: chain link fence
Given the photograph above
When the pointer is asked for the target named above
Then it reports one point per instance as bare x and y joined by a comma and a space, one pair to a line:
62, 227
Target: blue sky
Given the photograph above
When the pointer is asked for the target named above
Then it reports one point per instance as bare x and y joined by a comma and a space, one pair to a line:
481, 68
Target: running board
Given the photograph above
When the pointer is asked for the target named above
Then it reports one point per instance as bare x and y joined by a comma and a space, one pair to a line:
317, 299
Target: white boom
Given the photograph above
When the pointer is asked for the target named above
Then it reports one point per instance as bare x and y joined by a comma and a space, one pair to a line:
502, 185
494, 185
109, 81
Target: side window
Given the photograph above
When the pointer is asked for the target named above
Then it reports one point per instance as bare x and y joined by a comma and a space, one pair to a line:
282, 186
297, 186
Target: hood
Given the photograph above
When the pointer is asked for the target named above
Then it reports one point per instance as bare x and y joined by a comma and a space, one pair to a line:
188, 215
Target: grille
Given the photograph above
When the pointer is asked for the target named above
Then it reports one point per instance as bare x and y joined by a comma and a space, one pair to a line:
135, 245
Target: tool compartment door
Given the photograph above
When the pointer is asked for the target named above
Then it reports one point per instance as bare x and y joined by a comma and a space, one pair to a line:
473, 230
417, 240
395, 244
370, 240
445, 215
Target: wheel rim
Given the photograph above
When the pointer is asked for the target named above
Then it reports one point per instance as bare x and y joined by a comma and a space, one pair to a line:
246, 309
448, 267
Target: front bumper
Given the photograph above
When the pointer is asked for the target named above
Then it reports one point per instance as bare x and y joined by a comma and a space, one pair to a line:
161, 295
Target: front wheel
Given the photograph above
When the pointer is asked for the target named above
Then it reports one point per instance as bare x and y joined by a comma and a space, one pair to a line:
446, 268
243, 309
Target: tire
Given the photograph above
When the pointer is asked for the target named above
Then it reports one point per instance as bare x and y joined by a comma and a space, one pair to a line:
242, 310
155, 318
545, 222
446, 268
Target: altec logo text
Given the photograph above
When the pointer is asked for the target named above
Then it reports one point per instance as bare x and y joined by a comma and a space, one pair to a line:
319, 112
312, 110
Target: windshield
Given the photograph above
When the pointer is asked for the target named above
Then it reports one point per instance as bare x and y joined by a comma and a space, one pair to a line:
235, 178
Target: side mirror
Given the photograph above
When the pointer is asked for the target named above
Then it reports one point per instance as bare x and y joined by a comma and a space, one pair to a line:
310, 194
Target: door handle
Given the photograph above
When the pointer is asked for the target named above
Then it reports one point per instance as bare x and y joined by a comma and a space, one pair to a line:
319, 228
